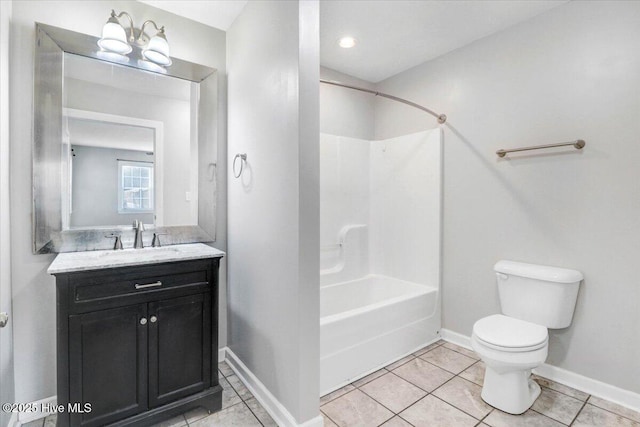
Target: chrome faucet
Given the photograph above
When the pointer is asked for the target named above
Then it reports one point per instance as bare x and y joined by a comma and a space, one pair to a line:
156, 239
138, 227
118, 243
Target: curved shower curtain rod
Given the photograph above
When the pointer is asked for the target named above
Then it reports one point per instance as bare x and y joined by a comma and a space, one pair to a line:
441, 117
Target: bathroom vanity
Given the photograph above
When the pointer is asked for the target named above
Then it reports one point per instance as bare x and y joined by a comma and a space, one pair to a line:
137, 334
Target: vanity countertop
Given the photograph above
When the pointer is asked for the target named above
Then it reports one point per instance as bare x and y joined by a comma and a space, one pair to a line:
96, 260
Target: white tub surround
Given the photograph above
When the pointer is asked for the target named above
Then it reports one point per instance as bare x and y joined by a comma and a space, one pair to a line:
380, 239
368, 323
96, 260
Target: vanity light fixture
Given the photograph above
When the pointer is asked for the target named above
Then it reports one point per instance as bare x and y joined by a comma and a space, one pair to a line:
347, 42
114, 39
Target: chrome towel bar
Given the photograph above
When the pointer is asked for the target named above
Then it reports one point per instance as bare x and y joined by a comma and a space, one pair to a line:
577, 144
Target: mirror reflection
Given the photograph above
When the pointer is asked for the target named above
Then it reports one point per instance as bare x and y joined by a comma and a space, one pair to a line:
128, 138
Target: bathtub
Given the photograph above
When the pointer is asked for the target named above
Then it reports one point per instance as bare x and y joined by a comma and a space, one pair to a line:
370, 322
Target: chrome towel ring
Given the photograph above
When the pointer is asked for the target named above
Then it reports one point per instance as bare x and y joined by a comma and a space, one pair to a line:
243, 159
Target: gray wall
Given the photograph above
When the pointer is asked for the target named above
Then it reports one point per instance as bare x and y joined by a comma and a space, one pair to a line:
346, 112
6, 342
33, 289
273, 208
570, 73
174, 115
95, 186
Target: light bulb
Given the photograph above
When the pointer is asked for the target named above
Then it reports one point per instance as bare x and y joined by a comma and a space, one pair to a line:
347, 42
158, 50
114, 38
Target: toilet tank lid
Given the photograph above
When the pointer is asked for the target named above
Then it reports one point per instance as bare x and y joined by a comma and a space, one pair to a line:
539, 272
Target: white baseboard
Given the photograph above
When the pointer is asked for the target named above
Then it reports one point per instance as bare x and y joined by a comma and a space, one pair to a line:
456, 338
588, 385
221, 354
597, 388
25, 417
278, 412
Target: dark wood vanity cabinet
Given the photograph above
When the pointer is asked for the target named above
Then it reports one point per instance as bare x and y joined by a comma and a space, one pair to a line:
139, 344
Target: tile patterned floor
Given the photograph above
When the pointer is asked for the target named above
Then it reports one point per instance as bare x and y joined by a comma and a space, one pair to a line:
438, 385
239, 408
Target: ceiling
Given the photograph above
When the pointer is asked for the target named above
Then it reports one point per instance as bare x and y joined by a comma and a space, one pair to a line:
393, 36
214, 13
94, 133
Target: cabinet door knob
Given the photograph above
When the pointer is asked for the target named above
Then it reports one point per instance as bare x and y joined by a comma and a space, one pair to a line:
153, 319
143, 321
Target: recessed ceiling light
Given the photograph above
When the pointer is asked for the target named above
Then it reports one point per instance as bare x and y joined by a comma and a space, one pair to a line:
347, 42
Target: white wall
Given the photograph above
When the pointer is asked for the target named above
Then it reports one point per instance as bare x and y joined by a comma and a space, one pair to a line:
6, 343
346, 112
272, 63
569, 73
34, 290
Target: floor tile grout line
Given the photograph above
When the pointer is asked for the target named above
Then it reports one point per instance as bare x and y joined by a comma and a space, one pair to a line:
392, 411
579, 412
413, 404
453, 373
459, 352
544, 415
561, 392
564, 394
455, 407
402, 364
338, 397
403, 419
486, 416
426, 351
420, 357
611, 412
217, 412
416, 385
253, 413
330, 419
394, 414
383, 368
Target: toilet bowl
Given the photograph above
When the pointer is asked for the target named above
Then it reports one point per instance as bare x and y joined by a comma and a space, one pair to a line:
510, 348
532, 298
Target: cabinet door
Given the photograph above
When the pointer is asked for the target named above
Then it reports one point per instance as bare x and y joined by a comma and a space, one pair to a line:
179, 347
108, 364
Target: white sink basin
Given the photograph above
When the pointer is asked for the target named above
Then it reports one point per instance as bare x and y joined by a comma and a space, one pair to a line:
96, 260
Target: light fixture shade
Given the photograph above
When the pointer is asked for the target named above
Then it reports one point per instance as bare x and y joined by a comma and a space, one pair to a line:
114, 38
158, 50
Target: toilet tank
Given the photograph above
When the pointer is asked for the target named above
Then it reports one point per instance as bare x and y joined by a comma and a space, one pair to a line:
538, 293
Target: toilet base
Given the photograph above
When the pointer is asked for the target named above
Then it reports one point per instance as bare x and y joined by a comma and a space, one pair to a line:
513, 392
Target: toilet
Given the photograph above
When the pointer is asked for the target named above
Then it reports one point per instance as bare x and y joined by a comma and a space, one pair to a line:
532, 298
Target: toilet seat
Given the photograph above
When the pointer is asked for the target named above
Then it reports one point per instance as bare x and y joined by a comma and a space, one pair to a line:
508, 334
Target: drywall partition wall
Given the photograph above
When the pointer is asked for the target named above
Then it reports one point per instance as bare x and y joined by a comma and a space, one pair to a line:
33, 289
566, 74
343, 111
6, 342
405, 208
273, 207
